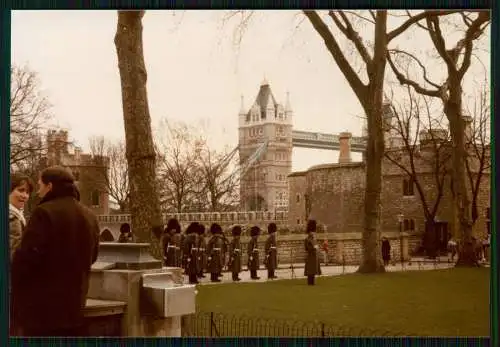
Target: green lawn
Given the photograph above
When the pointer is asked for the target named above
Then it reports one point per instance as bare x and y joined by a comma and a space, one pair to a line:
452, 302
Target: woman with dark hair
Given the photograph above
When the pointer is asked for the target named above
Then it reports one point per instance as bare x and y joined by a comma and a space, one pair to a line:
21, 188
51, 268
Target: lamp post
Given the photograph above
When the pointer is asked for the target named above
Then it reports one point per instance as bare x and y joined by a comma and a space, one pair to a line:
400, 220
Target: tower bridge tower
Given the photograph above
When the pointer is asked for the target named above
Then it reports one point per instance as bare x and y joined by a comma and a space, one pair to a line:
265, 185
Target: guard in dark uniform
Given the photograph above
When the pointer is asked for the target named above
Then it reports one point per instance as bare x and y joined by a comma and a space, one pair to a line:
190, 252
253, 253
235, 253
311, 268
214, 252
177, 244
125, 233
202, 247
167, 242
271, 260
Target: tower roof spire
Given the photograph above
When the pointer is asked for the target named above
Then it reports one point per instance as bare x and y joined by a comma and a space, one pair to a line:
264, 82
242, 106
288, 106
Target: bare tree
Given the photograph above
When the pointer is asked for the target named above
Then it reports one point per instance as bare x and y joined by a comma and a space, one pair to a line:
373, 52
140, 152
423, 150
192, 176
29, 113
478, 160
220, 181
457, 61
179, 177
116, 176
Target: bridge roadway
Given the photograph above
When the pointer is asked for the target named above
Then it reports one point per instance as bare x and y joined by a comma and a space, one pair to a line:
308, 139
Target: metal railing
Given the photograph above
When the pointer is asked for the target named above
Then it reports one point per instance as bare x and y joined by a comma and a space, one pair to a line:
211, 324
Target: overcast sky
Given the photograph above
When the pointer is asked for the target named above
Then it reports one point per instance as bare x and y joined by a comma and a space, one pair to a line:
195, 72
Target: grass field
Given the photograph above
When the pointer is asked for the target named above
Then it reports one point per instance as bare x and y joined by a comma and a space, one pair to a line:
452, 302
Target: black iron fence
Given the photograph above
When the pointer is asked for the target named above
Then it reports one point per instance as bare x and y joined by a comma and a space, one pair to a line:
211, 324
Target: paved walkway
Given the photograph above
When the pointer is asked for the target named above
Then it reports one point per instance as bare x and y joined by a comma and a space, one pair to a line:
285, 272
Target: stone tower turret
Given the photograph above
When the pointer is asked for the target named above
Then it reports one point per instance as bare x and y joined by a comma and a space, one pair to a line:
265, 185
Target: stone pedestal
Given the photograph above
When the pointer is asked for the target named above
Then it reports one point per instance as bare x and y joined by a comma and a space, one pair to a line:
118, 277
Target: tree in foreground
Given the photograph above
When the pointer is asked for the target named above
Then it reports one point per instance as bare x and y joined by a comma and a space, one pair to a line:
140, 153
373, 52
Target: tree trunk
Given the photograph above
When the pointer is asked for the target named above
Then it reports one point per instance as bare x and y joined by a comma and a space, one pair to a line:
462, 201
371, 261
372, 104
144, 202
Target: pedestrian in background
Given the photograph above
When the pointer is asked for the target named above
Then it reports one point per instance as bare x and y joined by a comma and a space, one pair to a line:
311, 268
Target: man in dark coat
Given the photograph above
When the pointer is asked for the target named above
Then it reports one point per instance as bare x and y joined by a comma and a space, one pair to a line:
168, 245
271, 251
312, 267
177, 243
50, 270
235, 253
190, 252
253, 252
386, 251
202, 255
214, 251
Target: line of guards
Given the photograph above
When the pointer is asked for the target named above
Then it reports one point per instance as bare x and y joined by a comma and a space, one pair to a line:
196, 256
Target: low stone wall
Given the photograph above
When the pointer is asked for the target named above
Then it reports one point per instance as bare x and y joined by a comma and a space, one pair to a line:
343, 248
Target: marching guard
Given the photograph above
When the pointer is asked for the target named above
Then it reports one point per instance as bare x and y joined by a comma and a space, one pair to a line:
190, 252
253, 253
169, 253
214, 252
235, 253
202, 246
271, 260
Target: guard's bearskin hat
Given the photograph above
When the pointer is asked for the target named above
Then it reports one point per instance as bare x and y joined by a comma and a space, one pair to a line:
173, 225
201, 229
254, 231
236, 231
272, 228
215, 229
192, 228
311, 226
125, 228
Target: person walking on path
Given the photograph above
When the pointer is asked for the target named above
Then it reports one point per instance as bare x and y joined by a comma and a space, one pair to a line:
311, 268
235, 254
253, 253
51, 268
271, 259
386, 251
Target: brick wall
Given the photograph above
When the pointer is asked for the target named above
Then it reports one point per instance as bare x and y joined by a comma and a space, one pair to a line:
342, 248
337, 197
